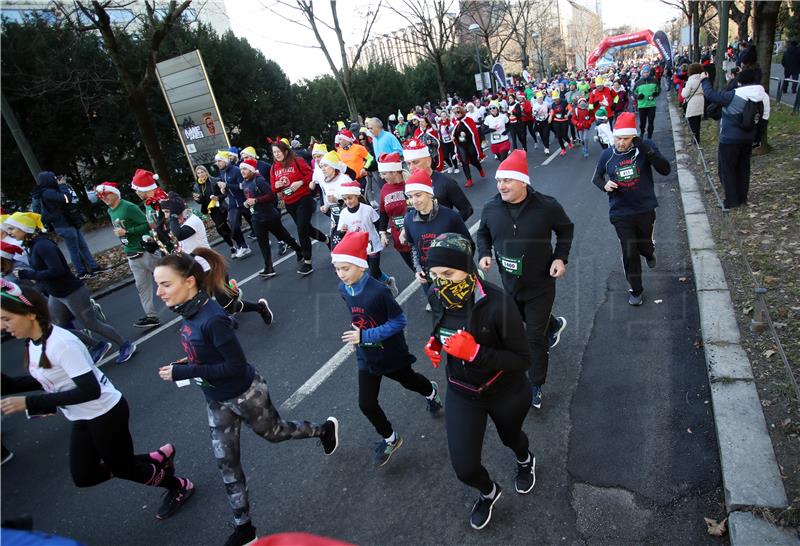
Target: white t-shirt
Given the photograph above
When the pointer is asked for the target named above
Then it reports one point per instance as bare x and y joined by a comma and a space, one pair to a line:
330, 189
70, 358
198, 238
498, 123
362, 220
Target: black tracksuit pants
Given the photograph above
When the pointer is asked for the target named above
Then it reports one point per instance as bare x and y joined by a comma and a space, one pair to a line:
468, 156
647, 115
635, 234
301, 212
543, 128
734, 172
369, 387
536, 314
465, 420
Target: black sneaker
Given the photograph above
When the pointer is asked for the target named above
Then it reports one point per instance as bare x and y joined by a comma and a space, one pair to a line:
330, 435
554, 336
283, 248
251, 236
265, 312
482, 510
635, 301
101, 269
435, 403
147, 322
267, 273
305, 268
526, 476
233, 252
651, 261
384, 451
174, 500
242, 535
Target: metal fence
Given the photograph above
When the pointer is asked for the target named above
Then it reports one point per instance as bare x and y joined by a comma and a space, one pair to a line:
779, 90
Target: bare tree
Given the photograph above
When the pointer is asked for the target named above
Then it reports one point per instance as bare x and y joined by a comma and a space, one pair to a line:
310, 19
585, 31
741, 17
432, 26
94, 17
522, 25
698, 13
495, 21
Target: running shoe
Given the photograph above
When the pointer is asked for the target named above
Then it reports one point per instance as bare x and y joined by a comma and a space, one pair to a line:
85, 276
330, 435
554, 335
428, 307
101, 269
242, 535
265, 312
305, 268
435, 403
243, 251
174, 500
482, 173
267, 273
126, 352
456, 171
482, 509
651, 261
283, 248
526, 476
234, 252
384, 451
469, 183
6, 455
98, 310
635, 301
547, 151
536, 396
562, 152
147, 322
392, 284
251, 236
570, 145
164, 457
99, 351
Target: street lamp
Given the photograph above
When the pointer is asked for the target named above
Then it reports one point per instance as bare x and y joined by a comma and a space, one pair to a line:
474, 28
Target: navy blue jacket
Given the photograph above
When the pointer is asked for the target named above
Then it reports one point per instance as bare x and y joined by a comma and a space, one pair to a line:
449, 194
420, 233
375, 312
216, 359
259, 189
49, 268
733, 101
232, 176
53, 200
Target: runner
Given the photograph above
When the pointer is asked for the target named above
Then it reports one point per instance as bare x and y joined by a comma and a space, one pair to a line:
235, 393
100, 445
518, 224
541, 116
646, 91
393, 205
230, 185
445, 188
559, 121
130, 225
266, 219
468, 144
291, 176
207, 194
353, 155
448, 147
603, 96
377, 332
582, 119
357, 216
334, 175
631, 197
479, 328
186, 227
146, 188
430, 138
496, 122
68, 296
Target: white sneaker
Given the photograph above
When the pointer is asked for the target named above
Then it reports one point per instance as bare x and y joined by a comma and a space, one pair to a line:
392, 284
547, 151
456, 171
242, 252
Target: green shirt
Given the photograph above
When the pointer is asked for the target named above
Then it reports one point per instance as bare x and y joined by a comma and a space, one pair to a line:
129, 217
528, 93
646, 91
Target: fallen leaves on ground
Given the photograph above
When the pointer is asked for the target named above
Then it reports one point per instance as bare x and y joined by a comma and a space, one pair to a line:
716, 529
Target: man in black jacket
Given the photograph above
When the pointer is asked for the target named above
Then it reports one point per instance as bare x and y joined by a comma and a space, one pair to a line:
791, 65
518, 224
445, 189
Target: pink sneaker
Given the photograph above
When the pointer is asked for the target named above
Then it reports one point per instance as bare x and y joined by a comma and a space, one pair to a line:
562, 152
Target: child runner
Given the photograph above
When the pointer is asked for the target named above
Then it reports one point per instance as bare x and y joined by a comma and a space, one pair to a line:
100, 447
604, 136
359, 216
235, 393
334, 175
381, 350
393, 204
480, 329
582, 119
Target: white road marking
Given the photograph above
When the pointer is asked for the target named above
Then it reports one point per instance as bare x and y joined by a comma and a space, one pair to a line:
552, 157
342, 354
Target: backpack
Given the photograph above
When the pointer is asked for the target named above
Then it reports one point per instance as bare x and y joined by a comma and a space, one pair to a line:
751, 114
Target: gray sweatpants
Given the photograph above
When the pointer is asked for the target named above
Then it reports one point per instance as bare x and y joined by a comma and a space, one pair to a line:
255, 409
81, 308
142, 269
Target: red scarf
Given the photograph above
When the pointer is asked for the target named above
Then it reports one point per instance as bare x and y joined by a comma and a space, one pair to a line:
158, 195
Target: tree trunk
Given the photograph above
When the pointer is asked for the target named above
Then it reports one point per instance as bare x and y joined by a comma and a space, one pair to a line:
765, 18
745, 19
440, 78
138, 104
694, 21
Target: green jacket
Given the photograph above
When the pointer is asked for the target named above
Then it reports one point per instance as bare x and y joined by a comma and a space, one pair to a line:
131, 218
646, 91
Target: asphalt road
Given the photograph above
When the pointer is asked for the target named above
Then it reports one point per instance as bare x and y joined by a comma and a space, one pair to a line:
624, 442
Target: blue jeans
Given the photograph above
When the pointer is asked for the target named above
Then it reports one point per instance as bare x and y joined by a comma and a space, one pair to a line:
78, 249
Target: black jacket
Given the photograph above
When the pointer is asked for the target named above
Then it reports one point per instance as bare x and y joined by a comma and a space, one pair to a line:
495, 322
528, 238
54, 201
49, 268
449, 194
791, 60
205, 191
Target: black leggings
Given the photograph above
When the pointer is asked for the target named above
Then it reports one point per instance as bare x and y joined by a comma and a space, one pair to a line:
374, 263
219, 216
235, 305
409, 260
369, 386
647, 115
519, 130
635, 233
543, 128
531, 127
694, 125
465, 420
102, 448
448, 150
468, 155
263, 228
301, 212
560, 129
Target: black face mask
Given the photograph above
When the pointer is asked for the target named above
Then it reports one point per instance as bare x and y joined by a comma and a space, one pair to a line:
190, 307
453, 295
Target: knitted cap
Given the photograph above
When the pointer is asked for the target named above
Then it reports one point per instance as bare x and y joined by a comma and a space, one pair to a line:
515, 166
415, 149
352, 249
332, 160
25, 221
143, 180
388, 163
625, 126
419, 181
451, 250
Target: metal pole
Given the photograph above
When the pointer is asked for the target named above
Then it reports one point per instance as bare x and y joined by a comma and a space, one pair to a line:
722, 42
480, 67
19, 137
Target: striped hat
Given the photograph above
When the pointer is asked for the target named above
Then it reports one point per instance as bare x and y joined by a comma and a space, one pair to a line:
9, 250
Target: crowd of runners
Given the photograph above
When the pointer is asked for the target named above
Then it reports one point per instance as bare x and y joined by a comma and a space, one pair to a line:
384, 186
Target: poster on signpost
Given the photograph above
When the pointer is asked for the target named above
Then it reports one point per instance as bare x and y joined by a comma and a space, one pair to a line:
191, 102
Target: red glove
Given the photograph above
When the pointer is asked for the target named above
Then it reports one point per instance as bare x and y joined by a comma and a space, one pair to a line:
433, 350
462, 345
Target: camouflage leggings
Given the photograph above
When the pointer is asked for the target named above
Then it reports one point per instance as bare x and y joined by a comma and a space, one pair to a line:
255, 408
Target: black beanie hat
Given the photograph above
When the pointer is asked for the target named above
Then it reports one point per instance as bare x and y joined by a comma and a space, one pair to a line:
451, 250
174, 203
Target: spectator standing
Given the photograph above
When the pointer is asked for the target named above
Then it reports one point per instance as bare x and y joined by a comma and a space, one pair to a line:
791, 66
693, 98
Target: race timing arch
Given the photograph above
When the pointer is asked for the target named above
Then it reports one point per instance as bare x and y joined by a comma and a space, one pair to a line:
658, 40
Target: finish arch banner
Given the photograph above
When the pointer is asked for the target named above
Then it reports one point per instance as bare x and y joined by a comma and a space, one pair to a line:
643, 36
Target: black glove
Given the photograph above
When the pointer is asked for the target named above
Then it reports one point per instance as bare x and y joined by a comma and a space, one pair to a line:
639, 143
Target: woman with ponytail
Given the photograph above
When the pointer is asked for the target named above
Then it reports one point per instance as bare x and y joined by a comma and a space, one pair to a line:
100, 444
235, 392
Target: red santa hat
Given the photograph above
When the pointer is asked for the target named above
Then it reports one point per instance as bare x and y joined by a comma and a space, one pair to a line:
9, 250
143, 180
344, 135
389, 163
352, 249
351, 187
415, 149
248, 164
625, 126
515, 166
107, 187
419, 181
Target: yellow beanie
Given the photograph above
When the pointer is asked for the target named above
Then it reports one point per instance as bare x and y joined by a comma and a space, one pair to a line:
222, 155
599, 81
556, 94
286, 141
332, 159
319, 149
26, 221
249, 152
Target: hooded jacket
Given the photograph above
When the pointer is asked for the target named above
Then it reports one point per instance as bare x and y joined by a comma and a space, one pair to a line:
733, 103
53, 199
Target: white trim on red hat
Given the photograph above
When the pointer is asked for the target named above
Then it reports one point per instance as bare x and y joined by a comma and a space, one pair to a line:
245, 166
418, 186
389, 167
347, 258
625, 125
342, 136
350, 188
514, 175
107, 188
415, 149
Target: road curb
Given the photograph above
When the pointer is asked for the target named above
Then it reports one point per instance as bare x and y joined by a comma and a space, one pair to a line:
750, 473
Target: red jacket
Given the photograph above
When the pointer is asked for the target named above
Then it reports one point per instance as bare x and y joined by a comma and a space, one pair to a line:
582, 118
527, 111
298, 169
603, 99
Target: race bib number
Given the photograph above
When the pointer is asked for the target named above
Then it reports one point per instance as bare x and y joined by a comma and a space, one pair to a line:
444, 334
288, 191
399, 221
496, 137
512, 266
627, 173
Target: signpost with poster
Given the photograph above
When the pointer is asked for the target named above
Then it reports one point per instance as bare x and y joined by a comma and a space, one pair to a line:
191, 102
